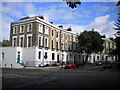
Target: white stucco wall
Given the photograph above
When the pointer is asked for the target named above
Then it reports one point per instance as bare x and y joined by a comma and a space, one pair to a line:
0, 57
10, 57
102, 57
28, 55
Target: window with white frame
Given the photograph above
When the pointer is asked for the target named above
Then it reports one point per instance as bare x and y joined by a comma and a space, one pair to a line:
41, 28
53, 56
62, 46
106, 44
29, 28
90, 58
111, 44
39, 54
22, 29
2, 55
52, 32
66, 46
39, 41
98, 57
57, 45
14, 42
57, 34
52, 44
15, 30
62, 56
69, 46
21, 41
70, 37
29, 40
74, 38
74, 46
46, 30
66, 37
46, 42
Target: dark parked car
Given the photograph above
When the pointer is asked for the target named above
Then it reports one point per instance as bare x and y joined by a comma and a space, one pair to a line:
70, 65
107, 64
99, 62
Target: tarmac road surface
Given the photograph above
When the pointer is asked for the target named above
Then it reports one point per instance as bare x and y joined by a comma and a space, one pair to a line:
83, 77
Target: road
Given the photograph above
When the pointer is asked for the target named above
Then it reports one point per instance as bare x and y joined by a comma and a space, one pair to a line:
83, 77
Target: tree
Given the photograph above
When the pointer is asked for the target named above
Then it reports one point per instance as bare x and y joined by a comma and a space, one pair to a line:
117, 28
72, 3
118, 3
117, 39
90, 41
117, 50
5, 43
0, 44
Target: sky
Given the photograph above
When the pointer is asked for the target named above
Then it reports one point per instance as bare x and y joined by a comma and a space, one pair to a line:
98, 15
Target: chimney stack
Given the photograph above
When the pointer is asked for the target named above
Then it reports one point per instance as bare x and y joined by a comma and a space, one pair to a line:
69, 29
51, 22
60, 26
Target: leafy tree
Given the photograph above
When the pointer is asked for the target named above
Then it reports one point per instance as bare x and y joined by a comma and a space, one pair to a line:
0, 44
117, 28
72, 3
88, 42
117, 50
117, 39
118, 3
5, 43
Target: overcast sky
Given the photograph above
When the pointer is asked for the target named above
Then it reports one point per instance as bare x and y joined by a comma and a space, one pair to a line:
98, 15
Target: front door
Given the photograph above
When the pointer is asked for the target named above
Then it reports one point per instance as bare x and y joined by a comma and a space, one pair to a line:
18, 57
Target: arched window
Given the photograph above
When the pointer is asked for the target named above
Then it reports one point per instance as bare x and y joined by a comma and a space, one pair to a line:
62, 56
53, 56
39, 54
2, 55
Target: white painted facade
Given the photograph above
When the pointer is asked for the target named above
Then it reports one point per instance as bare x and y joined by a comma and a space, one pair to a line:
34, 57
100, 57
30, 57
9, 57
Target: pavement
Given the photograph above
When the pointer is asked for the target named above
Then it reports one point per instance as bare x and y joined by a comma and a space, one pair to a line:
85, 67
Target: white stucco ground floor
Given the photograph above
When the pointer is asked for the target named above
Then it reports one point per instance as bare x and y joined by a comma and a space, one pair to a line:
19, 57
94, 57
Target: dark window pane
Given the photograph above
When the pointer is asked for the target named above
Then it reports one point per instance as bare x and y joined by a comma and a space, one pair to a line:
53, 57
39, 55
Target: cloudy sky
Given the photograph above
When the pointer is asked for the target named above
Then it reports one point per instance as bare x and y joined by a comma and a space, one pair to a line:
98, 15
